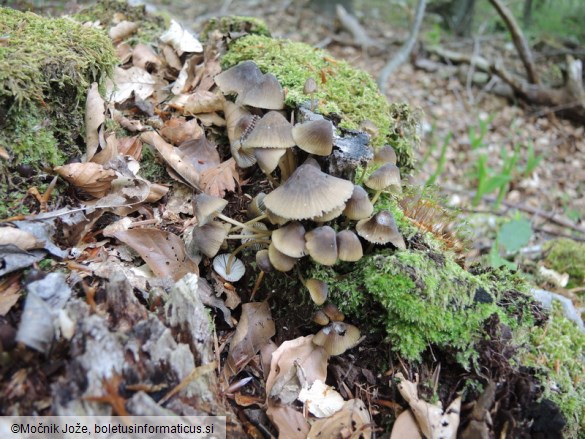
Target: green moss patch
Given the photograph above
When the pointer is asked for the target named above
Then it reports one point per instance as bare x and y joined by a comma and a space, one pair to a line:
557, 352
567, 256
344, 91
235, 24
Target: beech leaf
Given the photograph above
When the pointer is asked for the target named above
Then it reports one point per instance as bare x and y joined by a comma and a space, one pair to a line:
89, 177
216, 181
94, 118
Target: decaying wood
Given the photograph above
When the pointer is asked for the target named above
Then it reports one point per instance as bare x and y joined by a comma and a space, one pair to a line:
406, 48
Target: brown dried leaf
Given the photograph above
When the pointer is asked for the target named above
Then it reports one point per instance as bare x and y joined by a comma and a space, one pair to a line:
290, 423
133, 80
282, 382
216, 181
22, 239
122, 30
90, 177
124, 52
172, 59
254, 329
94, 117
178, 130
108, 152
133, 126
131, 146
9, 293
173, 157
201, 101
352, 421
405, 427
144, 57
163, 252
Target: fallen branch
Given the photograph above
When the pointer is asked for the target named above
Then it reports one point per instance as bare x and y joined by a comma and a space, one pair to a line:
353, 26
402, 54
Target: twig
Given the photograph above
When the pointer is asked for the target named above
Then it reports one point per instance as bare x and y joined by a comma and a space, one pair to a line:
518, 39
353, 26
402, 54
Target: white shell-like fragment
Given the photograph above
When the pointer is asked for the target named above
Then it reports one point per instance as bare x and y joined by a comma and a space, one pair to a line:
181, 39
322, 400
237, 268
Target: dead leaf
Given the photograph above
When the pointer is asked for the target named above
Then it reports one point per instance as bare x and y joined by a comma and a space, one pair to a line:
89, 177
124, 52
133, 126
178, 130
122, 30
9, 293
211, 119
405, 427
216, 181
290, 423
131, 146
108, 152
181, 39
201, 101
133, 80
145, 58
301, 353
94, 117
254, 329
173, 157
208, 298
351, 422
163, 252
172, 59
20, 238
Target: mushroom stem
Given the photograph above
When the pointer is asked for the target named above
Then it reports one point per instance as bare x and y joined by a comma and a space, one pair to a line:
257, 285
247, 224
256, 235
360, 179
301, 278
237, 224
376, 196
233, 254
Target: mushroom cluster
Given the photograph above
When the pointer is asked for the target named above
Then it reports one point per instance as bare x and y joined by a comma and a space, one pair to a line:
295, 219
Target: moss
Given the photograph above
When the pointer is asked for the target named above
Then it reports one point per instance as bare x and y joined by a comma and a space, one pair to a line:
150, 25
46, 66
151, 168
343, 90
567, 256
557, 352
422, 298
235, 24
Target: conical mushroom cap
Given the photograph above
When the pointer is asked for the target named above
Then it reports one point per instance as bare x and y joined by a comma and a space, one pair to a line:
272, 131
322, 245
329, 215
274, 218
314, 137
237, 268
252, 86
381, 229
307, 193
337, 338
318, 290
359, 205
256, 206
349, 247
383, 177
320, 318
209, 237
207, 207
268, 158
279, 260
290, 240
386, 154
263, 261
333, 313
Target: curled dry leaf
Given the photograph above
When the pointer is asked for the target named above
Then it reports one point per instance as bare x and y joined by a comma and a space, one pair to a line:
181, 39
9, 293
131, 146
94, 118
433, 421
109, 151
163, 252
122, 30
179, 130
22, 239
283, 383
254, 329
90, 178
405, 427
352, 421
201, 101
216, 181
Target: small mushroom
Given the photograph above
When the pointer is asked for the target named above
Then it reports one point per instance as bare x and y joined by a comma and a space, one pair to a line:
279, 260
290, 240
359, 205
381, 229
209, 237
236, 270
333, 313
251, 236
321, 245
386, 154
310, 88
272, 131
252, 86
337, 338
349, 247
318, 290
268, 158
329, 215
369, 127
207, 207
256, 206
383, 178
320, 318
263, 261
314, 136
307, 193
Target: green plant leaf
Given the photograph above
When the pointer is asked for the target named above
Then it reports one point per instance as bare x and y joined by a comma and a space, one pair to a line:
515, 234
